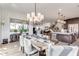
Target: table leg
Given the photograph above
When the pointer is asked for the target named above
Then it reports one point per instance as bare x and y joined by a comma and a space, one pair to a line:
42, 53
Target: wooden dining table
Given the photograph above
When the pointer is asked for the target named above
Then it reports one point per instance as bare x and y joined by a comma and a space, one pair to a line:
40, 46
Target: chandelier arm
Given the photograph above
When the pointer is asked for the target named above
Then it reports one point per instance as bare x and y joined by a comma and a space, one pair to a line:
35, 10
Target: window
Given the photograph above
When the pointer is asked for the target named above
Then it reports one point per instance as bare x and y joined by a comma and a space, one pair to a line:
16, 26
73, 27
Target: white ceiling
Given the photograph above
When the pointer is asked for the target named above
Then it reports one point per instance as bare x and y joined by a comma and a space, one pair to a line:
50, 10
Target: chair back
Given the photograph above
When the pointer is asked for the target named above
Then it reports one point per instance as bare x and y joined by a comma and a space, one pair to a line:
74, 51
54, 50
62, 50
27, 45
21, 41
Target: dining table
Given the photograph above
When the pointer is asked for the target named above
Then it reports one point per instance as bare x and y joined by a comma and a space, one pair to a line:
41, 44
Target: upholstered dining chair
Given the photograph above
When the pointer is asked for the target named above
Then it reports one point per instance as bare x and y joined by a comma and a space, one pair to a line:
62, 50
54, 50
29, 49
21, 43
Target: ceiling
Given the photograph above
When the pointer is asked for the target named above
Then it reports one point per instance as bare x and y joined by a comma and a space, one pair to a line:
70, 10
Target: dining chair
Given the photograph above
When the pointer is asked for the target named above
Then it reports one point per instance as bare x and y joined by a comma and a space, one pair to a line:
61, 50
21, 43
29, 49
53, 50
74, 51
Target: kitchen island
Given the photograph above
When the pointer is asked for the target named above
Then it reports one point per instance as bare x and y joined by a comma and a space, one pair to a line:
66, 37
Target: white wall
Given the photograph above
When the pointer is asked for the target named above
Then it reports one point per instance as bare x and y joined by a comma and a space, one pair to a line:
6, 15
0, 28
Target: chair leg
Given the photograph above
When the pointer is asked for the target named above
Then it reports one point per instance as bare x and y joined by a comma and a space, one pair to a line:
22, 49
26, 54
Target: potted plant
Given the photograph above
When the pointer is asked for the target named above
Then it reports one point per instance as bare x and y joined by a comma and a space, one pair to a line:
22, 29
15, 30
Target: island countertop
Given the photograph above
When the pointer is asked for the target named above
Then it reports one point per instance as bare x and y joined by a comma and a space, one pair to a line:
63, 33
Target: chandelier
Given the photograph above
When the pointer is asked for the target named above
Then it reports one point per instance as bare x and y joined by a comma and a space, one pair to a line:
35, 17
61, 17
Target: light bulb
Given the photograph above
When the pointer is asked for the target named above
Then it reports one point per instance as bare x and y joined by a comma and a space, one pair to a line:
42, 17
39, 14
30, 19
33, 14
28, 16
